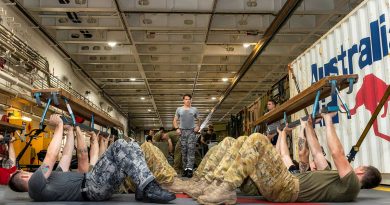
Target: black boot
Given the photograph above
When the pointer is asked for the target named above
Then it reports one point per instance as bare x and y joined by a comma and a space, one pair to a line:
184, 174
154, 193
189, 173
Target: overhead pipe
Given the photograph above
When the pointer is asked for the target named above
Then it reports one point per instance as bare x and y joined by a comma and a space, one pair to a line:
287, 10
24, 11
15, 81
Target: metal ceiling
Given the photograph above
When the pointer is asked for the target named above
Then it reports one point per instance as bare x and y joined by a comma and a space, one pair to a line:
166, 48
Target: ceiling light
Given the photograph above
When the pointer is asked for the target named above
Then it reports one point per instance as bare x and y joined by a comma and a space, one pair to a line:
132, 79
142, 98
213, 98
27, 119
207, 110
246, 45
149, 110
112, 43
225, 79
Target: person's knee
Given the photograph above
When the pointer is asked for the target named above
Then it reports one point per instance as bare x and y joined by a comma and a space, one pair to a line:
257, 137
228, 140
146, 145
242, 138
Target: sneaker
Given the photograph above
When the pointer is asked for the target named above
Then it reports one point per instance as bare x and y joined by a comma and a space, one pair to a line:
154, 193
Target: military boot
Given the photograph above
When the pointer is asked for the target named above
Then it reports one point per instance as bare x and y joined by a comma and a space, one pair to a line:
221, 195
197, 189
214, 185
154, 193
177, 186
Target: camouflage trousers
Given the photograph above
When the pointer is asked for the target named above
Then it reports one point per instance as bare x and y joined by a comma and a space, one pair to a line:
260, 161
121, 159
188, 143
213, 157
219, 159
158, 165
177, 157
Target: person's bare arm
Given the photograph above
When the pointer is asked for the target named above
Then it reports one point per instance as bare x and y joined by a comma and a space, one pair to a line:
11, 152
303, 149
315, 147
103, 144
198, 123
82, 152
94, 148
170, 145
335, 146
54, 146
68, 149
176, 125
284, 151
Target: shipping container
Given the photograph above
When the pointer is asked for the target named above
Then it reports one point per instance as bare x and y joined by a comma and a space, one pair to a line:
358, 44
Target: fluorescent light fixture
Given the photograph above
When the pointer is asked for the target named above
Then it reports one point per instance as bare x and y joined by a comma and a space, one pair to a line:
149, 110
142, 98
112, 43
207, 110
225, 79
27, 119
213, 98
246, 45
132, 79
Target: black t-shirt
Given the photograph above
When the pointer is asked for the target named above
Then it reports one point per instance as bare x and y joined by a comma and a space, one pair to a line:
60, 186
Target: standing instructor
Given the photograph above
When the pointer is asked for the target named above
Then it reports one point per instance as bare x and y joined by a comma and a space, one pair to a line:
187, 128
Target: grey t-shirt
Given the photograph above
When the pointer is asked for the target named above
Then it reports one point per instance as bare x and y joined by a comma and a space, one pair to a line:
60, 186
187, 117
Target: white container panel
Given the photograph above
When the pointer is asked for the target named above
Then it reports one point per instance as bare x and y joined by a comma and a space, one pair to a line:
359, 44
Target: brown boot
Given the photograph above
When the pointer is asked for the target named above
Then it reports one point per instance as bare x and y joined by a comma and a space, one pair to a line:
177, 186
221, 195
214, 185
197, 189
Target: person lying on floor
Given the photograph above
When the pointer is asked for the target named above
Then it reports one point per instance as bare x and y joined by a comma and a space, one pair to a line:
120, 160
259, 160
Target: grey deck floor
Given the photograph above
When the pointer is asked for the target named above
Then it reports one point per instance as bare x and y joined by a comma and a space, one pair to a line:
7, 196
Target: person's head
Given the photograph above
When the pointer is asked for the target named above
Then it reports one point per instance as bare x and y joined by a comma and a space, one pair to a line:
161, 129
151, 132
369, 176
210, 129
19, 181
271, 104
187, 99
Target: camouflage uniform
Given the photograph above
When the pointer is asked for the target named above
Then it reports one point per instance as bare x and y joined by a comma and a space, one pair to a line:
259, 160
177, 158
199, 171
188, 143
158, 165
213, 160
120, 160
228, 158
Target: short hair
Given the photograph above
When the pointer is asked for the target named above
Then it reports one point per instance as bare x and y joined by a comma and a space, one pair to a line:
16, 183
371, 178
273, 101
210, 127
187, 95
162, 128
